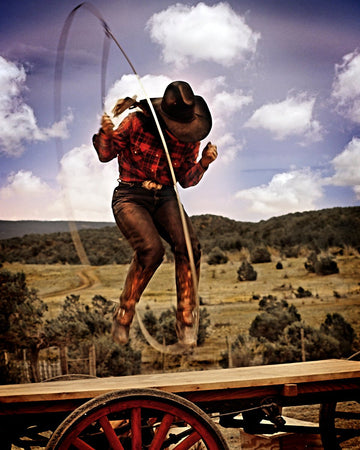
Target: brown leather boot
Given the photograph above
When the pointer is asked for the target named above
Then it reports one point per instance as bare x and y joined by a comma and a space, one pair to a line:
187, 327
122, 319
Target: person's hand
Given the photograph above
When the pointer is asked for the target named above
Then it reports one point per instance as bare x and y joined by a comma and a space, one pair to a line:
107, 124
209, 155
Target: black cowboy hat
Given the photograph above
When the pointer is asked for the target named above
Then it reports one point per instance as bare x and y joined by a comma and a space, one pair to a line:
186, 115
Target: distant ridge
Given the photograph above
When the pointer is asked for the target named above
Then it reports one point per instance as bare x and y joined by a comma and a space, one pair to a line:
36, 242
19, 228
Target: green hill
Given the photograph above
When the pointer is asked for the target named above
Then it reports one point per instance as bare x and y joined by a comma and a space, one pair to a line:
19, 228
104, 244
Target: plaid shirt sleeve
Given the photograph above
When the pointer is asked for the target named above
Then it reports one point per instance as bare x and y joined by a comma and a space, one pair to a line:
141, 155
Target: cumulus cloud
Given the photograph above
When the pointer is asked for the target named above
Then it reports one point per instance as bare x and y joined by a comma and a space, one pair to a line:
84, 192
229, 147
226, 103
291, 117
346, 166
18, 123
86, 185
196, 33
25, 196
129, 85
346, 89
293, 191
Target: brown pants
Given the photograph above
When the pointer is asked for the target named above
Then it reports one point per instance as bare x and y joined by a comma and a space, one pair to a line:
144, 216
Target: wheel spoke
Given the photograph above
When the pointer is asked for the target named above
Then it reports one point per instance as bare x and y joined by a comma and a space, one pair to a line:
136, 419
161, 433
110, 434
81, 445
136, 439
191, 440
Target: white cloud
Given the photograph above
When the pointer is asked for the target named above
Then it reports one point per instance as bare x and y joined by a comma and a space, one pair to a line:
84, 192
25, 196
346, 88
293, 191
18, 123
291, 117
86, 185
226, 103
228, 147
347, 165
224, 106
129, 85
212, 85
201, 32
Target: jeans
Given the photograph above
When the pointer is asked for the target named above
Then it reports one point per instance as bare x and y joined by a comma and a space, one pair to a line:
144, 216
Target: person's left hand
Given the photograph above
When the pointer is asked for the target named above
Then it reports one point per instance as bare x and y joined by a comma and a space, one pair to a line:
209, 155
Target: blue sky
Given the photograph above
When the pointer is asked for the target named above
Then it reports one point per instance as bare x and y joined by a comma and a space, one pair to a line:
281, 79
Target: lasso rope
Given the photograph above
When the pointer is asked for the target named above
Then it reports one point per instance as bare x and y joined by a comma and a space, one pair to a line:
176, 348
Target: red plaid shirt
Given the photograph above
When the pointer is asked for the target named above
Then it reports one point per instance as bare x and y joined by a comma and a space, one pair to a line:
141, 155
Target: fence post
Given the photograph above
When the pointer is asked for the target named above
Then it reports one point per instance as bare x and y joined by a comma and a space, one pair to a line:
230, 360
92, 360
26, 366
64, 360
303, 355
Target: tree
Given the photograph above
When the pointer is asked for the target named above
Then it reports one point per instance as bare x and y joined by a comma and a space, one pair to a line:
337, 327
21, 318
163, 328
316, 344
278, 335
274, 318
79, 325
115, 360
245, 351
69, 327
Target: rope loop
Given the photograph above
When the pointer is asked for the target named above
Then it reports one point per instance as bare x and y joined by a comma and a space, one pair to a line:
57, 109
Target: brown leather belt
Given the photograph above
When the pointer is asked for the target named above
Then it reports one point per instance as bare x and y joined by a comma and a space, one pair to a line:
147, 184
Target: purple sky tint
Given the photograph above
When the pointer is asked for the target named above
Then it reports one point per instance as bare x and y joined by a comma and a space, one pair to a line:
280, 77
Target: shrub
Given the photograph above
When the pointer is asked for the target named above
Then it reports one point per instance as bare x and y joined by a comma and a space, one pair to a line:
274, 318
162, 328
246, 272
260, 255
337, 327
217, 256
302, 293
325, 266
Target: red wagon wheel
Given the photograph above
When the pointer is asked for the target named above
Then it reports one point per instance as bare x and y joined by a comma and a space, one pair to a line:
340, 425
137, 419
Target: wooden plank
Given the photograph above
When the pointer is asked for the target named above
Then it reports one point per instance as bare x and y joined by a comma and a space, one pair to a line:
283, 440
236, 378
279, 441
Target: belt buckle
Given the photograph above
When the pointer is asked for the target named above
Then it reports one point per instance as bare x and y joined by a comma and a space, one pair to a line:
151, 185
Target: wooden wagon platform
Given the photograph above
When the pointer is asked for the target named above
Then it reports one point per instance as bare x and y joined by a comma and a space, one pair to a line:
251, 390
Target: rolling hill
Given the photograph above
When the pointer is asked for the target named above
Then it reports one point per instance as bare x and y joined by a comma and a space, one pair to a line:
50, 242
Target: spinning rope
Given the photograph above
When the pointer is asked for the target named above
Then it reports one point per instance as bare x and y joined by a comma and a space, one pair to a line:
171, 349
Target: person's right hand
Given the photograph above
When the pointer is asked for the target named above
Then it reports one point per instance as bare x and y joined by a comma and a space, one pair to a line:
107, 124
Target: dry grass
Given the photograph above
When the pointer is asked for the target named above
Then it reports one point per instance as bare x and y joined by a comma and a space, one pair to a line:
231, 303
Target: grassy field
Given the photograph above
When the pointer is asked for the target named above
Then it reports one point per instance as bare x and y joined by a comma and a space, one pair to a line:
230, 303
